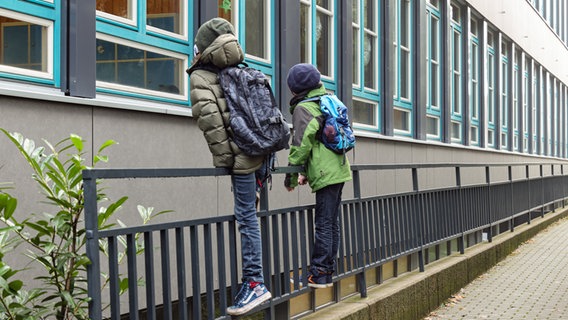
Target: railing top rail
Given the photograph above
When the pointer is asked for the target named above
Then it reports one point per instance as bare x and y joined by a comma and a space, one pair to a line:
118, 173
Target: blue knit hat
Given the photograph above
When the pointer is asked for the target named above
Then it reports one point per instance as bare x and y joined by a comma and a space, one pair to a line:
302, 77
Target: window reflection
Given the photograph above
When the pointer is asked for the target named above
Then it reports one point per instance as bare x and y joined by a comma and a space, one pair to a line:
24, 44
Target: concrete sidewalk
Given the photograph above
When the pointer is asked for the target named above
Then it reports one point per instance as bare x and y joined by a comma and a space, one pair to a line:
531, 283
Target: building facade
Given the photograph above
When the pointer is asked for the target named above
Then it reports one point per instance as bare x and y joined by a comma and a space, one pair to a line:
426, 80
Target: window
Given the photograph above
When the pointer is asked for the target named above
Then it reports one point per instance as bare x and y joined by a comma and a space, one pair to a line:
27, 47
504, 115
317, 34
143, 48
365, 114
516, 99
526, 114
474, 98
456, 70
491, 141
402, 71
365, 63
535, 104
434, 71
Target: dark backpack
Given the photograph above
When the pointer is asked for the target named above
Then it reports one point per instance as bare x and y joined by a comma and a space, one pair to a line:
256, 121
336, 132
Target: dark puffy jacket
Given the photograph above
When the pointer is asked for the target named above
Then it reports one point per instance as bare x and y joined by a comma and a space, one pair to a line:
209, 106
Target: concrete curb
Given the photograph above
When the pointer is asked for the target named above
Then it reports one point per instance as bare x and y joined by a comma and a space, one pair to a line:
413, 295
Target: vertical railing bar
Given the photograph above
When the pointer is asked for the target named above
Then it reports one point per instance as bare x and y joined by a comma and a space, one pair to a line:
295, 251
132, 276
166, 275
348, 240
511, 200
114, 286
360, 252
542, 201
489, 203
342, 251
222, 266
92, 247
233, 258
195, 272
304, 234
209, 288
419, 226
286, 254
150, 279
458, 208
528, 178
181, 276
276, 236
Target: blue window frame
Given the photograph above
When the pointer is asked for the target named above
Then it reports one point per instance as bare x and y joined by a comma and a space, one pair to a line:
526, 112
434, 71
254, 25
475, 92
491, 93
516, 90
29, 38
402, 73
535, 107
318, 27
366, 67
143, 49
456, 81
504, 94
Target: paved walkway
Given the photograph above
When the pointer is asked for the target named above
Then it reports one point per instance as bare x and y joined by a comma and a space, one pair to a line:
532, 283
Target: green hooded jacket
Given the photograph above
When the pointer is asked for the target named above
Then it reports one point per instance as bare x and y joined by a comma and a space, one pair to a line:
323, 167
209, 106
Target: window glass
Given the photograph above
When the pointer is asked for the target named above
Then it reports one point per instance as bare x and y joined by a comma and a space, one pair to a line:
119, 8
305, 33
164, 15
256, 42
356, 58
401, 120
134, 67
324, 30
433, 126
365, 113
24, 44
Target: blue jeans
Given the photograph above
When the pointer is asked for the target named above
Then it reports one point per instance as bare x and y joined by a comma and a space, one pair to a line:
326, 243
244, 191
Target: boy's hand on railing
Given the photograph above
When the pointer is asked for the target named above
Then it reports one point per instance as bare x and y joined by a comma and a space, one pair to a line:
302, 179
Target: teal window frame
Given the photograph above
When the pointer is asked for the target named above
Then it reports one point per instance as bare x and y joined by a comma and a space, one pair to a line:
363, 95
48, 14
456, 80
504, 96
516, 103
535, 113
137, 34
266, 65
312, 45
491, 95
475, 90
526, 92
434, 72
403, 106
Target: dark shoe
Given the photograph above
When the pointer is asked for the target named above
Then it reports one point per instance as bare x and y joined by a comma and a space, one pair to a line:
248, 298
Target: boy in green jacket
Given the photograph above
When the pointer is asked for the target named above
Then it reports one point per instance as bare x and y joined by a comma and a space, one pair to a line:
325, 171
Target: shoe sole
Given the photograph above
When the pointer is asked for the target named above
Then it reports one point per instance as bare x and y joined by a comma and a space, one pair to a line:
250, 306
313, 285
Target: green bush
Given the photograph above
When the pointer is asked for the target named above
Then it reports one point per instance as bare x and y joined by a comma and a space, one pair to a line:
54, 241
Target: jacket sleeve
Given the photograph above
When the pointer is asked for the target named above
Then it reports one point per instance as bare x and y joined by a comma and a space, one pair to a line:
206, 109
304, 139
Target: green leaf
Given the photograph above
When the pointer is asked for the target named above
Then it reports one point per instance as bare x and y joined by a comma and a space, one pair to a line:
107, 144
77, 142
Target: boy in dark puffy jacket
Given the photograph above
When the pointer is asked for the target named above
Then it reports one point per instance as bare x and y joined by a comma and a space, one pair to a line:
325, 171
217, 46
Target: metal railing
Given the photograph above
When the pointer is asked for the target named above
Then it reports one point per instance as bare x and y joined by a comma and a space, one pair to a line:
198, 259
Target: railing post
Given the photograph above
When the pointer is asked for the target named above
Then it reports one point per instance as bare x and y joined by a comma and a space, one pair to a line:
491, 213
541, 191
361, 277
528, 177
420, 220
510, 176
92, 245
461, 239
